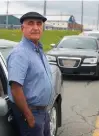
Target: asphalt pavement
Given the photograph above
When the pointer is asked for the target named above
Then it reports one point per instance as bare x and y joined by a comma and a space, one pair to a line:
80, 107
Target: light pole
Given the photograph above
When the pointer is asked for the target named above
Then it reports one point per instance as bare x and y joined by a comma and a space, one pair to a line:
82, 14
98, 17
44, 12
7, 14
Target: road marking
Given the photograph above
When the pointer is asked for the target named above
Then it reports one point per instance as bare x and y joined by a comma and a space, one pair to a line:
96, 131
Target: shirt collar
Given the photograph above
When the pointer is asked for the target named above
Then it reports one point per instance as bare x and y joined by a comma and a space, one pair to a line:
31, 44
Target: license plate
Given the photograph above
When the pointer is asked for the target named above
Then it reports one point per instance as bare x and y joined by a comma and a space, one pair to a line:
68, 63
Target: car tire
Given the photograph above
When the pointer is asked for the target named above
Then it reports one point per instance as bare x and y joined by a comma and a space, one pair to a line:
96, 77
54, 119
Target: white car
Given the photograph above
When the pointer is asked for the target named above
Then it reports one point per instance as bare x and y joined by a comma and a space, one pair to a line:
6, 46
93, 33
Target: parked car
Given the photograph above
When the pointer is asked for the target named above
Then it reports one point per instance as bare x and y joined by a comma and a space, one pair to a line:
76, 55
7, 122
6, 46
90, 33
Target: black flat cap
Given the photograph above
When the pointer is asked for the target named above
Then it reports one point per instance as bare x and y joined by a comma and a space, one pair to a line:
32, 15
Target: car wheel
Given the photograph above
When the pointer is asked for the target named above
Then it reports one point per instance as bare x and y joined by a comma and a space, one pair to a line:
54, 120
96, 77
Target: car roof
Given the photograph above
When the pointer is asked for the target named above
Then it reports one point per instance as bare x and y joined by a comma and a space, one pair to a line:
91, 31
81, 36
7, 43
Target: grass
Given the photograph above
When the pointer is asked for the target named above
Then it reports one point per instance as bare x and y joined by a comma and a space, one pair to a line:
49, 36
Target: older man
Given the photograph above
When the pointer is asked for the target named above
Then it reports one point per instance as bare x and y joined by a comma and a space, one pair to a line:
29, 76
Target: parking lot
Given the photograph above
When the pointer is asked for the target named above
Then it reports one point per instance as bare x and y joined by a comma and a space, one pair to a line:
80, 106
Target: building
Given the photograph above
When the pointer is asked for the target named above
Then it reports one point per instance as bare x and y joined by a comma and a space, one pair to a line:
12, 21
66, 22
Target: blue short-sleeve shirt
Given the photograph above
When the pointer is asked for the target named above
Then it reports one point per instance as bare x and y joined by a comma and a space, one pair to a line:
26, 67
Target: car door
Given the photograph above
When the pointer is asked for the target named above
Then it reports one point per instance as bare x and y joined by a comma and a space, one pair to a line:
7, 123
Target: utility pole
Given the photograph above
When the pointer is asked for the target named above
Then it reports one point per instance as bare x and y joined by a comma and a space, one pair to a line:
44, 12
7, 14
60, 16
93, 25
98, 17
82, 14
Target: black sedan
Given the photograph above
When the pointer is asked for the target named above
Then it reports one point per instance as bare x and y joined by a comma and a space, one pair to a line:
76, 55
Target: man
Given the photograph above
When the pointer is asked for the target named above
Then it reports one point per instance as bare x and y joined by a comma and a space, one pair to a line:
29, 76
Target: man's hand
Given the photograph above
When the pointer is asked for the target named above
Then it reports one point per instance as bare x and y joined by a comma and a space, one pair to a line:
30, 119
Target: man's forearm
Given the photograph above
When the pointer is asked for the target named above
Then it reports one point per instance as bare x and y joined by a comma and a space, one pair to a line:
19, 98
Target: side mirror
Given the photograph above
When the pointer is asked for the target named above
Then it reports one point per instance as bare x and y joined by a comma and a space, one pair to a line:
3, 107
53, 45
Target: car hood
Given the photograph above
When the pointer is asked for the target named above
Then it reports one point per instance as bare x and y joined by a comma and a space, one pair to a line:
73, 52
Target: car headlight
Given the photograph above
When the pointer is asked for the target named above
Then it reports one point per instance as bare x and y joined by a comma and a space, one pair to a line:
90, 60
51, 58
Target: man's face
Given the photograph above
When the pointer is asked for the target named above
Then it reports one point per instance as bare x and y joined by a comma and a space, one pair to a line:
32, 29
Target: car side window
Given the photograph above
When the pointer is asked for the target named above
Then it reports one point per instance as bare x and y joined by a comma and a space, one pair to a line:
1, 88
98, 43
3, 82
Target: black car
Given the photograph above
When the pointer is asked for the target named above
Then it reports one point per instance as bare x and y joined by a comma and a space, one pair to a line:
76, 55
7, 123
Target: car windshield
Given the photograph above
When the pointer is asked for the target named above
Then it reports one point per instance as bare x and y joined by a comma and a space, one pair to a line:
78, 43
94, 34
5, 51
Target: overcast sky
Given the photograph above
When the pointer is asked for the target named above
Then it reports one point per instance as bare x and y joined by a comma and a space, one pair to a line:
54, 7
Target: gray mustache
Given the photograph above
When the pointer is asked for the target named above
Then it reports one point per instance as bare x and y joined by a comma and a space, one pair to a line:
35, 33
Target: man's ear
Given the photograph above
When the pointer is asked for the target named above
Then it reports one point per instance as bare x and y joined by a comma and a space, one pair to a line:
22, 27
